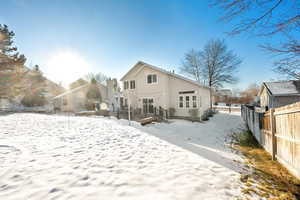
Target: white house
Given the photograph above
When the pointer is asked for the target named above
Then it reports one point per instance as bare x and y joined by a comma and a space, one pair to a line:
75, 99
146, 86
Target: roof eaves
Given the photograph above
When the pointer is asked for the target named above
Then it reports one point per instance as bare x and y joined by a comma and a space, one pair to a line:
139, 62
175, 75
70, 91
285, 95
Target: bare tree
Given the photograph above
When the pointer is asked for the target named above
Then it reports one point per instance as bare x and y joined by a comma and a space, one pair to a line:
269, 18
191, 65
214, 65
99, 77
219, 65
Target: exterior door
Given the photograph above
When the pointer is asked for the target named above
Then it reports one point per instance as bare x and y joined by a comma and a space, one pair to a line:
148, 105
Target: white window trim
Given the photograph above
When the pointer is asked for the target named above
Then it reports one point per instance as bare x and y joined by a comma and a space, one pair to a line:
153, 83
183, 107
189, 101
198, 101
195, 101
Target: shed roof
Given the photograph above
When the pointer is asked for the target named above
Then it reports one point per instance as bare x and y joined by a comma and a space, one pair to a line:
283, 88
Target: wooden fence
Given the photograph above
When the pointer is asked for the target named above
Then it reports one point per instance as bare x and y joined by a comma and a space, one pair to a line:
278, 133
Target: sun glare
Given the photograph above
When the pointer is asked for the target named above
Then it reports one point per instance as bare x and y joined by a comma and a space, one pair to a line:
66, 67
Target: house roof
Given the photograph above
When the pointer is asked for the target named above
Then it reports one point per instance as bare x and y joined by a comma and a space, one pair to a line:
283, 88
224, 92
71, 91
143, 64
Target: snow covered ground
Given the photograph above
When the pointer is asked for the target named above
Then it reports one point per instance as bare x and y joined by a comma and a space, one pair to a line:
60, 157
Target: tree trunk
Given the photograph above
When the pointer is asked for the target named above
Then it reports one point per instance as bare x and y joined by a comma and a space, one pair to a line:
210, 97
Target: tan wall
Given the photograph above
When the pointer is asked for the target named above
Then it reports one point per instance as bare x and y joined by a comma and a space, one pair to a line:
177, 85
264, 98
165, 92
157, 91
75, 101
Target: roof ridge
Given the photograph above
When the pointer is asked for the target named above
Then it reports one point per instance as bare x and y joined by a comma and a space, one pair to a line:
173, 74
280, 81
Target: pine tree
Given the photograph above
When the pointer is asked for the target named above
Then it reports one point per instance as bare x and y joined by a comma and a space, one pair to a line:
12, 70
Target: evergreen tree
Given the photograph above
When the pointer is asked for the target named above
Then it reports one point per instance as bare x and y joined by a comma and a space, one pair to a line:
12, 70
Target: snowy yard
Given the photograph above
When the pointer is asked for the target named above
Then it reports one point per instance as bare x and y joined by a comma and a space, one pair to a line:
60, 157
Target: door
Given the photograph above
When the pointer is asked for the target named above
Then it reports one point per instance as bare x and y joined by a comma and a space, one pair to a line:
148, 105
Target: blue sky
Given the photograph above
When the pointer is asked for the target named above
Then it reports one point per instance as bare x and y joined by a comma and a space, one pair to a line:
110, 36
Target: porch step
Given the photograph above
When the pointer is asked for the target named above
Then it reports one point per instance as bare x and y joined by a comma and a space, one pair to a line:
147, 120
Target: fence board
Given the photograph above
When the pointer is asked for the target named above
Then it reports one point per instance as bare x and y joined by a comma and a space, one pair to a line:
283, 140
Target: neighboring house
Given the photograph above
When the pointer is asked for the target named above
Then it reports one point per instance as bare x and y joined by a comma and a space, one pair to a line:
276, 94
147, 87
75, 99
222, 96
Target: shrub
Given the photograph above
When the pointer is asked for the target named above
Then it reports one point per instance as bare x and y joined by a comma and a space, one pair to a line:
207, 114
243, 138
204, 116
31, 100
93, 96
172, 112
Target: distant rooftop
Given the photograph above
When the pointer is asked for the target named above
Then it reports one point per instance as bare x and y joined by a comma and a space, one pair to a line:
284, 87
224, 92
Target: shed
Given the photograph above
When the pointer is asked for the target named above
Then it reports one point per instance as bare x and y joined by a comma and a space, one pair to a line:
280, 93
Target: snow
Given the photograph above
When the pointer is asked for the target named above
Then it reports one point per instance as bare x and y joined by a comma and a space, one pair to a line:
67, 157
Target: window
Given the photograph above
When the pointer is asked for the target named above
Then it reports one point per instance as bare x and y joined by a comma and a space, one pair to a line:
126, 102
126, 85
151, 78
187, 101
132, 84
181, 102
194, 98
121, 101
148, 105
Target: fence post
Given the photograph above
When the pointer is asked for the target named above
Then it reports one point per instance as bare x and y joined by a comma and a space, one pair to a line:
273, 132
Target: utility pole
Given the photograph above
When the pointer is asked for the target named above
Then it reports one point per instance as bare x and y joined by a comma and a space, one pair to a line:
128, 99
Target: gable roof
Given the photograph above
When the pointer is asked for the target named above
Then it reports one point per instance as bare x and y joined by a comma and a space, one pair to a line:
283, 88
143, 64
71, 91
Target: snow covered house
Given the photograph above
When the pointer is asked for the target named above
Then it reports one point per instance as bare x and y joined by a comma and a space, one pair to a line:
146, 87
75, 99
280, 93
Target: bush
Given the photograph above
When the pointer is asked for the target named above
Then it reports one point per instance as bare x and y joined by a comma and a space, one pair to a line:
243, 138
172, 112
207, 114
32, 100
204, 116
